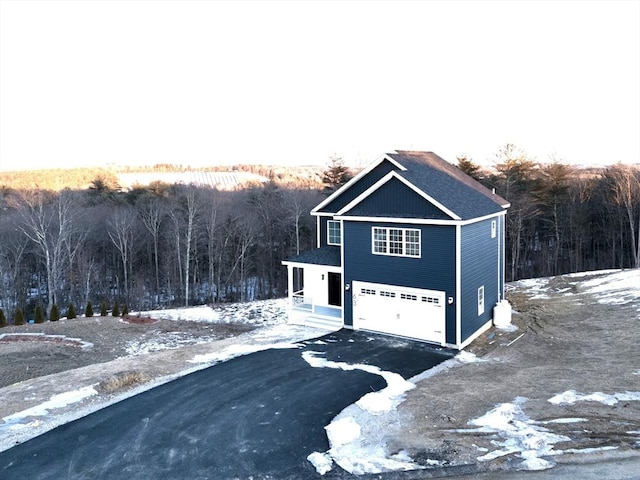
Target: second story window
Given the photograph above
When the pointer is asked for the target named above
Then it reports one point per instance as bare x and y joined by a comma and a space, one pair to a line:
333, 233
401, 242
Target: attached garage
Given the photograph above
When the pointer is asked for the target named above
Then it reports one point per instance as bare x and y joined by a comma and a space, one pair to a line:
407, 312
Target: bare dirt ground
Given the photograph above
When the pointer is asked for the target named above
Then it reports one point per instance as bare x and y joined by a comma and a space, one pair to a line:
568, 341
71, 344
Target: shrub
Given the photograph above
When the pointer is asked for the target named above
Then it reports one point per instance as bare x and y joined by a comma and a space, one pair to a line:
3, 319
18, 317
54, 314
125, 310
71, 311
39, 314
116, 310
103, 309
88, 312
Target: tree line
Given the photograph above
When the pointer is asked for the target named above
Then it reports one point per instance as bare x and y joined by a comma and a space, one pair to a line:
172, 245
564, 219
155, 246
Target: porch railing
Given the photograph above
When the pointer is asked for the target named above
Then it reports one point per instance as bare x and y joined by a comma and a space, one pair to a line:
301, 302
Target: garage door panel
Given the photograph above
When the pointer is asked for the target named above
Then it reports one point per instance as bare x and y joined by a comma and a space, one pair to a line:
408, 312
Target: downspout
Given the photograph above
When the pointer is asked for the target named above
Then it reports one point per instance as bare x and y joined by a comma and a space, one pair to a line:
499, 229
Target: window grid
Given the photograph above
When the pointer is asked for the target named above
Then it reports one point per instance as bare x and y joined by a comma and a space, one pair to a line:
333, 232
380, 240
402, 242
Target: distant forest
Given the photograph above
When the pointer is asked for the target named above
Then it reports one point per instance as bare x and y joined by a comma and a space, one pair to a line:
168, 245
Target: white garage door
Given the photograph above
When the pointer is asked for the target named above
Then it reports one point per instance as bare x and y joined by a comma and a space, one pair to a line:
409, 312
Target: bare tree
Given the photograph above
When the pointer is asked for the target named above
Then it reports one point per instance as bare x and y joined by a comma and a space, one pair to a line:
121, 233
625, 192
152, 213
49, 224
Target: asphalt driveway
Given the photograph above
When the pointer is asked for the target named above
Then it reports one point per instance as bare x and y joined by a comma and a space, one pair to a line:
256, 416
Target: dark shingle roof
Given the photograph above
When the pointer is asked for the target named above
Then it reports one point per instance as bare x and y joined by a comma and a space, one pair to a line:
329, 255
448, 185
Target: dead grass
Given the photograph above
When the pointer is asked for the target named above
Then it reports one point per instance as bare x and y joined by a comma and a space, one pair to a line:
122, 380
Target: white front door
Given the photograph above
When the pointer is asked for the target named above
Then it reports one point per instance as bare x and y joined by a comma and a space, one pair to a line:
408, 312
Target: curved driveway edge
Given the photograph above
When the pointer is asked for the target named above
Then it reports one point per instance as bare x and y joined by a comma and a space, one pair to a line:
259, 415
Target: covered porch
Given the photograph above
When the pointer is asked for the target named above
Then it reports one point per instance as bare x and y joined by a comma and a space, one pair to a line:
315, 288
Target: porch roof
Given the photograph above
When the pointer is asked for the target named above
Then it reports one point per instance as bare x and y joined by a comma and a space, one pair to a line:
329, 255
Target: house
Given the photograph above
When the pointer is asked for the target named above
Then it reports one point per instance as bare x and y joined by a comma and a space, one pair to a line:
411, 246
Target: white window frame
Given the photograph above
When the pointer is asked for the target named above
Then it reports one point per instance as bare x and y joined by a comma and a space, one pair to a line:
493, 229
481, 300
329, 231
393, 242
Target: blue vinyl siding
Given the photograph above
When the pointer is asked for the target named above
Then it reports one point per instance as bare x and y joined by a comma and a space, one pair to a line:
357, 188
435, 270
479, 266
396, 200
323, 231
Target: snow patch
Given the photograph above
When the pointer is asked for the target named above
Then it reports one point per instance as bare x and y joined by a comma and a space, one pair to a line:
520, 435
468, 357
322, 462
571, 396
616, 288
56, 401
263, 312
234, 351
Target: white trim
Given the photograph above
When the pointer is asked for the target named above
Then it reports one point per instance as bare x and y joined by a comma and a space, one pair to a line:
322, 214
458, 293
383, 181
416, 221
318, 244
355, 179
475, 335
344, 281
328, 268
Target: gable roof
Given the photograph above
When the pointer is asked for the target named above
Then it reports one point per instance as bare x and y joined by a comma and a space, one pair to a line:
435, 179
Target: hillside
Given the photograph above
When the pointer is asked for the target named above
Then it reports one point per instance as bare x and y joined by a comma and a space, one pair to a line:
222, 177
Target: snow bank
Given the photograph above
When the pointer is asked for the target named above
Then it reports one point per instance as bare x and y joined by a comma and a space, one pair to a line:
345, 432
375, 403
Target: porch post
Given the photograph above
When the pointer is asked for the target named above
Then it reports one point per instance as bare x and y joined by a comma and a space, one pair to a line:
290, 285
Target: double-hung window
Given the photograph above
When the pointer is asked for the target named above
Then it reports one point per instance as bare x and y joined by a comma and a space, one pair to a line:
401, 242
334, 235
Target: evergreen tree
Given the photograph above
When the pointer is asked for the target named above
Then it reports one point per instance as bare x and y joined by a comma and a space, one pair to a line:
469, 167
71, 311
54, 315
125, 310
116, 310
39, 314
336, 175
3, 319
103, 309
88, 312
18, 318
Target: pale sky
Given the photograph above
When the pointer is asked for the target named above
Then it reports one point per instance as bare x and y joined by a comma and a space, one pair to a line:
210, 82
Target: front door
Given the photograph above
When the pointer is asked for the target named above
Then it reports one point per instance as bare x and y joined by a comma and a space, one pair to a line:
335, 289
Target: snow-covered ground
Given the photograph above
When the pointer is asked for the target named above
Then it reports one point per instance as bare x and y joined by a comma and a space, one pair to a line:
354, 446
